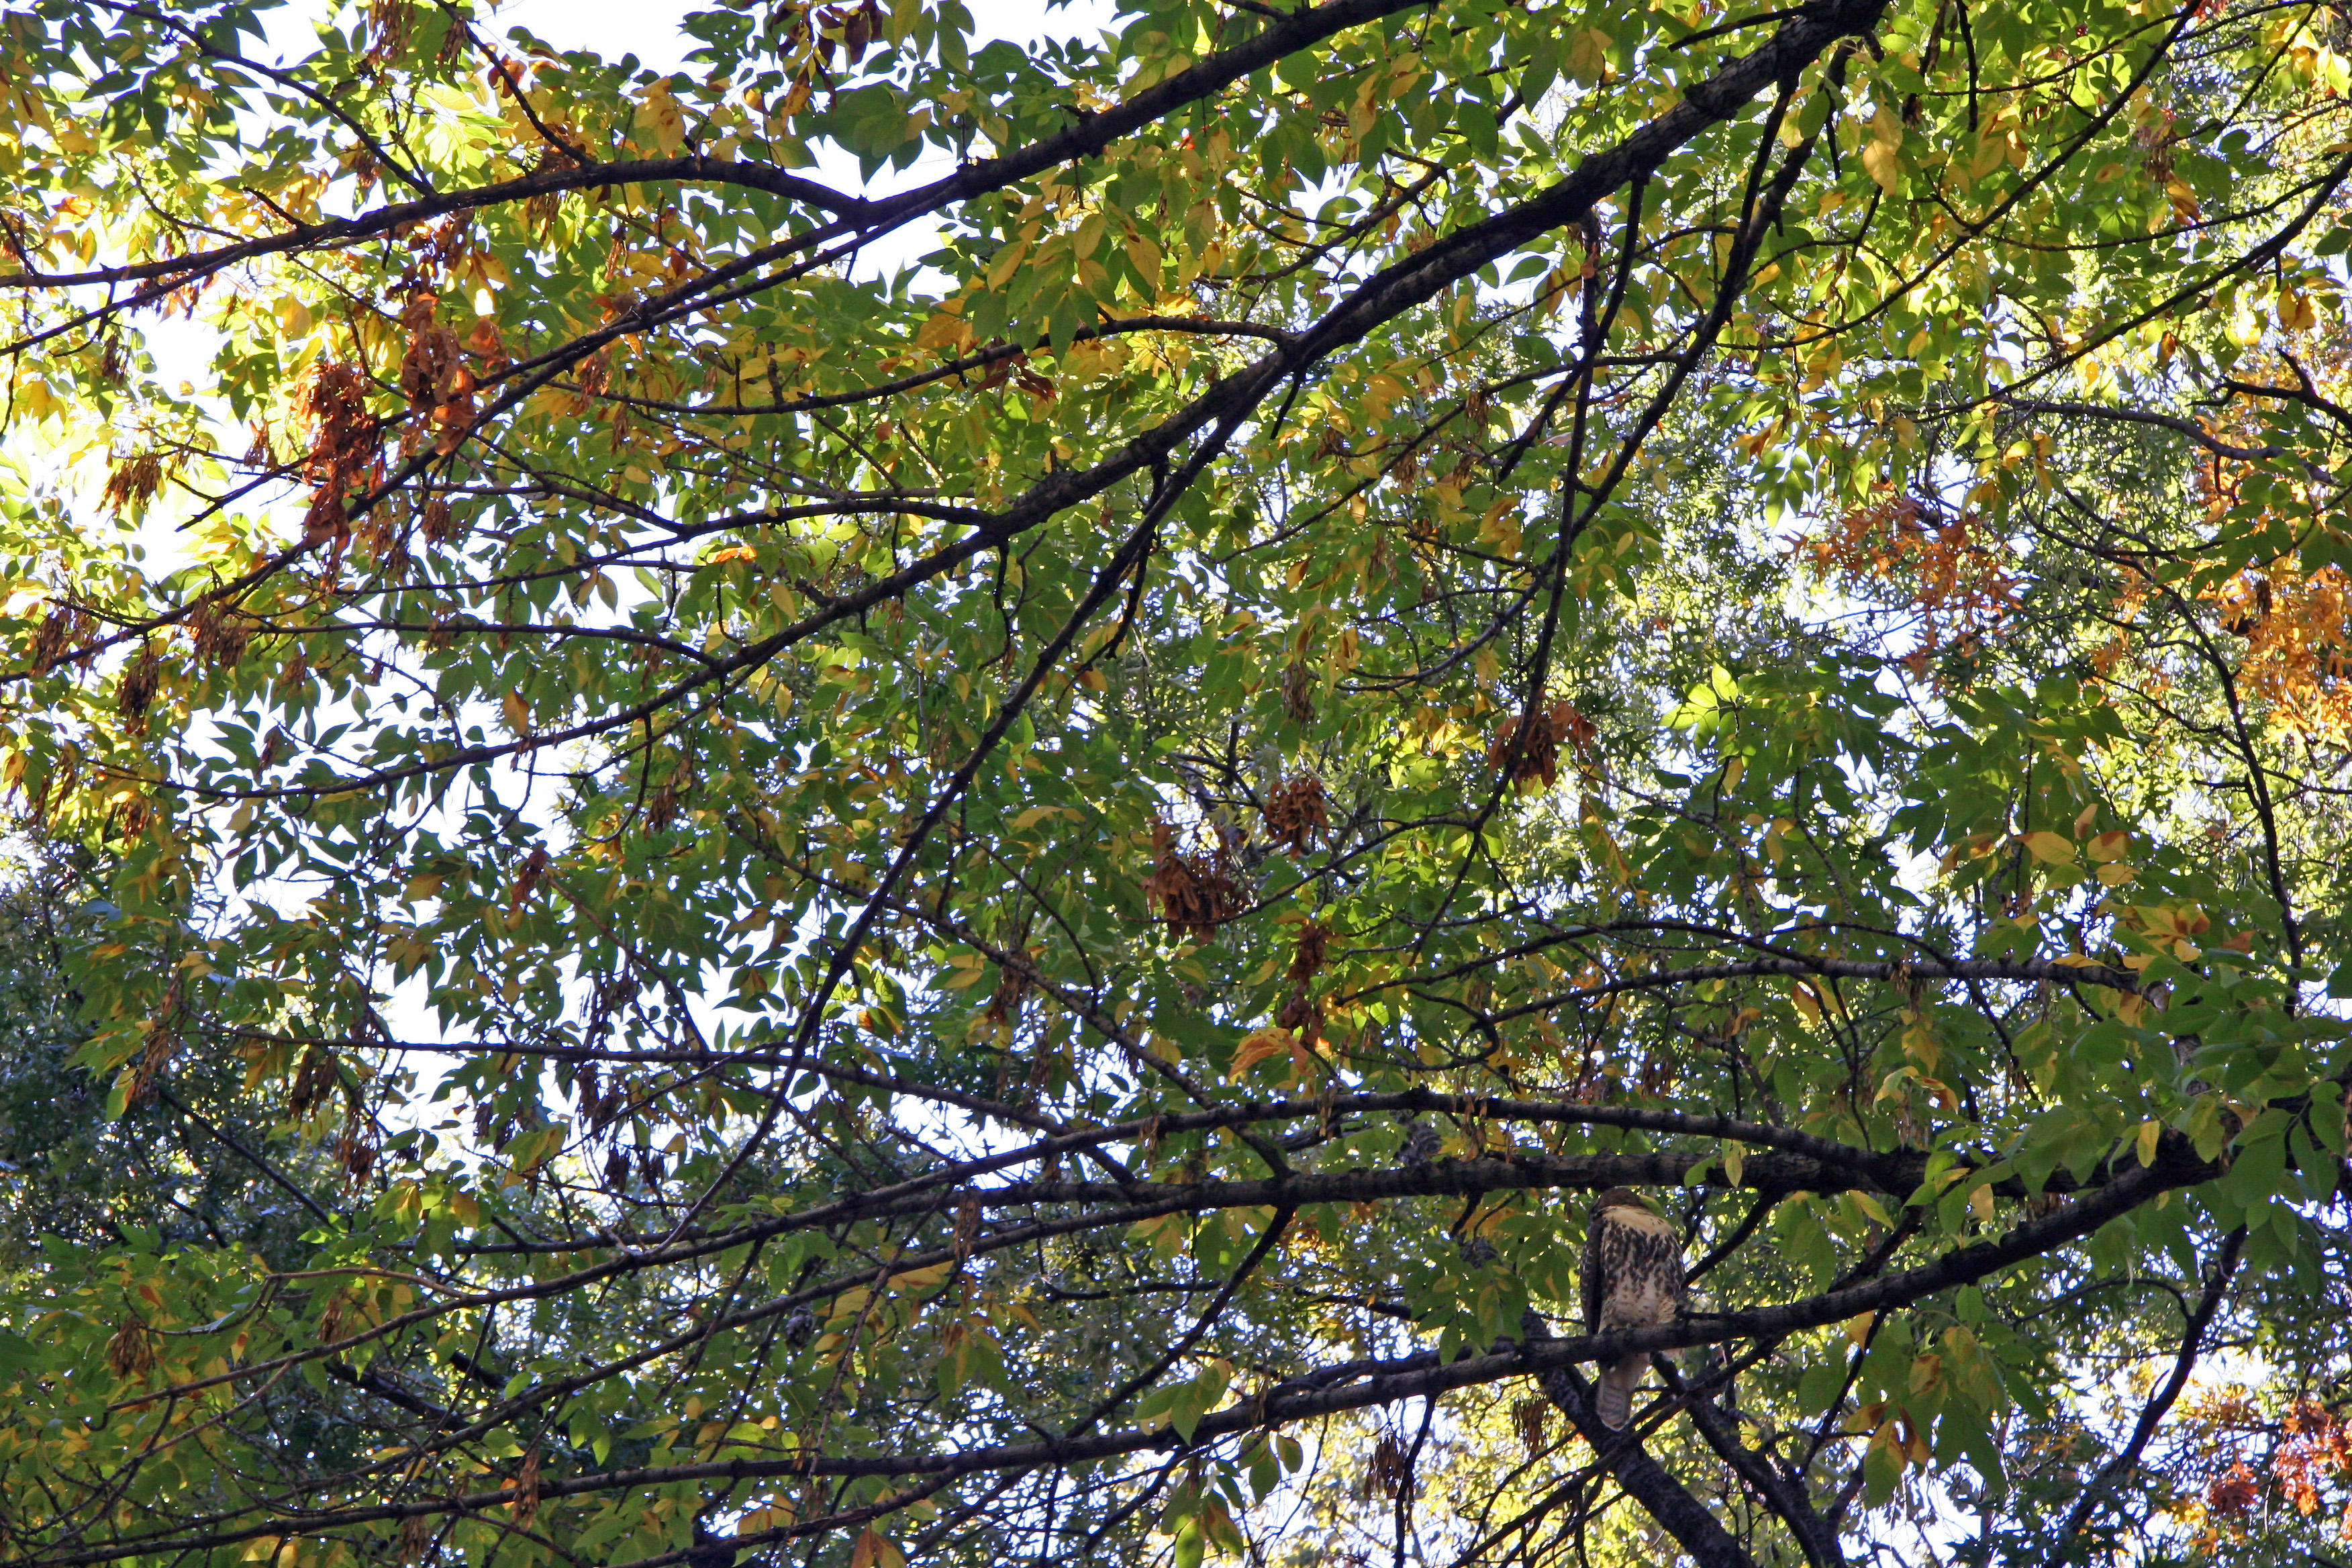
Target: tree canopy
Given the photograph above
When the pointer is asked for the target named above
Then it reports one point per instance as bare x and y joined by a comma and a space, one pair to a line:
688, 898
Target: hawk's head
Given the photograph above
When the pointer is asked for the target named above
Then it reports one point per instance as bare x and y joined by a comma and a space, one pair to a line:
1620, 1198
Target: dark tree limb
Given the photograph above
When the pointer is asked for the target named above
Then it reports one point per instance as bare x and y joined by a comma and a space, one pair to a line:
1675, 1506
2184, 1363
1422, 1376
1782, 1493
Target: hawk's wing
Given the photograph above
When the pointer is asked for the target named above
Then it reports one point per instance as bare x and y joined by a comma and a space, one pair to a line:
1589, 1276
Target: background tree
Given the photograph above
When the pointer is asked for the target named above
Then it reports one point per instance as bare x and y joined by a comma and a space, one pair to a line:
1006, 912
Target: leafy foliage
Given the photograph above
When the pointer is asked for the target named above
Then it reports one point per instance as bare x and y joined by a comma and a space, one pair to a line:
1003, 911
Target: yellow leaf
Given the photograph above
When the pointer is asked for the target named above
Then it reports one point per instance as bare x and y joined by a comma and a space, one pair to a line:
1346, 650
1144, 254
1501, 527
2108, 847
922, 1278
1587, 56
1165, 1234
875, 1550
661, 120
1992, 152
2149, 1132
2052, 848
1883, 163
1258, 1046
1382, 393
1008, 261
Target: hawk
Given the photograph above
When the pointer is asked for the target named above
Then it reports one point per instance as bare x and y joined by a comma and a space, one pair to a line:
1633, 1280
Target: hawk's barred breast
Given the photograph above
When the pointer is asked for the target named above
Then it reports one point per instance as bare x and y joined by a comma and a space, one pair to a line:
1633, 1280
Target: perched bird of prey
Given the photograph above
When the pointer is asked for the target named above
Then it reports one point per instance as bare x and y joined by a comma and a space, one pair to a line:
1633, 1280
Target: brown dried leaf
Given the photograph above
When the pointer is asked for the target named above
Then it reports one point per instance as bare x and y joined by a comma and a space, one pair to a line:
1298, 811
1195, 892
220, 630
132, 1352
59, 630
132, 482
135, 693
1298, 694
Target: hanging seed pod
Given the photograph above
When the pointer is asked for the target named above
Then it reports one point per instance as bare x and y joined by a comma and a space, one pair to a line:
1195, 892
59, 630
1529, 745
1302, 1015
1530, 1416
132, 482
1296, 812
319, 1076
135, 693
1307, 959
441, 524
132, 1352
1298, 693
221, 632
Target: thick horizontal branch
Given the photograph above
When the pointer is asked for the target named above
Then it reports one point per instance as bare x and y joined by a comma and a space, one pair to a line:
1838, 1166
1844, 1169
1978, 970
1774, 956
1415, 1377
1422, 1377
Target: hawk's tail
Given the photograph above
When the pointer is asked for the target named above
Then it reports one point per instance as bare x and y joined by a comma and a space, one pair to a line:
1612, 1395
